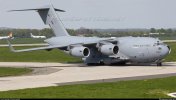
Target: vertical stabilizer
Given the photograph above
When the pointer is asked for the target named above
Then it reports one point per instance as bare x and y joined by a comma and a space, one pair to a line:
10, 35
50, 17
31, 35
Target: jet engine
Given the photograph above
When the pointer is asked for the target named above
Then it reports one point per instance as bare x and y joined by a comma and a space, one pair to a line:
80, 51
109, 49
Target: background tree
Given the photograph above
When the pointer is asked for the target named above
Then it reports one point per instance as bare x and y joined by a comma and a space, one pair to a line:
152, 30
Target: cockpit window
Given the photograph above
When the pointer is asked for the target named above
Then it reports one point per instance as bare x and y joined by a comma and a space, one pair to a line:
158, 43
159, 48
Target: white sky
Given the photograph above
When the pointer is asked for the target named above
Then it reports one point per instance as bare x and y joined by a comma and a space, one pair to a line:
93, 13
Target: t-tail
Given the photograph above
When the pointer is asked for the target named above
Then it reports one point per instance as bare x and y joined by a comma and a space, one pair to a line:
31, 35
10, 35
50, 17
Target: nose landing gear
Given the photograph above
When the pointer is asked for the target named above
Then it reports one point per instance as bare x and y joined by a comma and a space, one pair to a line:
159, 64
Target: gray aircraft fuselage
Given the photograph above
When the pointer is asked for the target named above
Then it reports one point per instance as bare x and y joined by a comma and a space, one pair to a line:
134, 49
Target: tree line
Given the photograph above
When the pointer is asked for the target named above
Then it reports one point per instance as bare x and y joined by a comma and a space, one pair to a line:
25, 33
162, 30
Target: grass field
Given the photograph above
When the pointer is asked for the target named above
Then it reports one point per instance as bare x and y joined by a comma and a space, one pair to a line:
4, 71
153, 88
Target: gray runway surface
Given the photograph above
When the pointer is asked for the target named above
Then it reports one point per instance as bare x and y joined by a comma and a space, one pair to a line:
56, 74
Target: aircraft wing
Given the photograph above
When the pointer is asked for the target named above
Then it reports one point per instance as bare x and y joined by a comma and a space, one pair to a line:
58, 46
55, 46
34, 49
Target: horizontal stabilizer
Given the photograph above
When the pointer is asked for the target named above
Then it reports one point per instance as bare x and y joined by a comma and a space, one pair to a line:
41, 8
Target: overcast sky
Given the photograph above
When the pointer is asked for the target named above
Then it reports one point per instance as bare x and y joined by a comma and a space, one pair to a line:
93, 13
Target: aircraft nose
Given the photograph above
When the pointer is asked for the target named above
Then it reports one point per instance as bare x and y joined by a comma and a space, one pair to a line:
169, 49
166, 50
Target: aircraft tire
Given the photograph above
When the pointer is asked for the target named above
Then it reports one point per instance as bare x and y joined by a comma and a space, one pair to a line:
159, 64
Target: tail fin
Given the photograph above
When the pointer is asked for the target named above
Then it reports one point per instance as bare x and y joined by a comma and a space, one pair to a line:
49, 17
31, 34
10, 35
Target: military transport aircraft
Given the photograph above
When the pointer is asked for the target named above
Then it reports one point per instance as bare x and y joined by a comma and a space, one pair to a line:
94, 50
10, 36
37, 37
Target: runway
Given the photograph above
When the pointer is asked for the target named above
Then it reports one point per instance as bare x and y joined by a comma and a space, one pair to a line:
57, 74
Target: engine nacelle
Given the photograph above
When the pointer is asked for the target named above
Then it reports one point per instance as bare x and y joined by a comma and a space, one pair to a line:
80, 52
109, 49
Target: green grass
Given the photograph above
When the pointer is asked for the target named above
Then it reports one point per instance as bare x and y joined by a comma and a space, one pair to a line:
153, 88
36, 56
4, 71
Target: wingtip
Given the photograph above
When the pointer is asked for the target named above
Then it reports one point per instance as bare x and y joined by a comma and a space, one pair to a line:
10, 46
